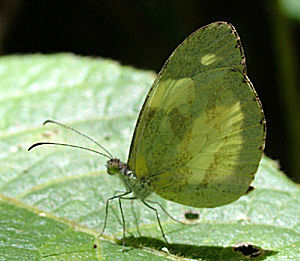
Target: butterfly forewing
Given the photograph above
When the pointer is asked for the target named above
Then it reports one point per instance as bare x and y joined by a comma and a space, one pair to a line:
200, 134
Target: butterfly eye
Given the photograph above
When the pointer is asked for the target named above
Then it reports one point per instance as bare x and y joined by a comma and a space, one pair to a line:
112, 171
112, 167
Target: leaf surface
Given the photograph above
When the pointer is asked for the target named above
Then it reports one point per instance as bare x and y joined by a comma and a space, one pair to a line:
52, 199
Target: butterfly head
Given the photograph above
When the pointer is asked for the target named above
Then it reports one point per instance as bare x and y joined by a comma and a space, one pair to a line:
114, 166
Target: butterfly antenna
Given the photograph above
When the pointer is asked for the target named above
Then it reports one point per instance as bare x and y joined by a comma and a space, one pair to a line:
78, 132
67, 145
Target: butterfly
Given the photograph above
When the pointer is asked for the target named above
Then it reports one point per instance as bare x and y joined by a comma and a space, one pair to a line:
200, 134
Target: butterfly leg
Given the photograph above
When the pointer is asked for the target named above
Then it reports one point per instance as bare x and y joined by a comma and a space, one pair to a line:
123, 221
158, 220
106, 209
123, 218
135, 216
166, 212
118, 191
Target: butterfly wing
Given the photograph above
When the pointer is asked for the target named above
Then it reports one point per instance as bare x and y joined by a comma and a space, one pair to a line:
201, 132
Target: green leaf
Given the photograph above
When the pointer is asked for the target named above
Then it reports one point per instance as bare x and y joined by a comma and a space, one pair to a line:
52, 199
290, 8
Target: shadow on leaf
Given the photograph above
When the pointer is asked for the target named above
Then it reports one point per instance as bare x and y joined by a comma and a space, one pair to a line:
209, 253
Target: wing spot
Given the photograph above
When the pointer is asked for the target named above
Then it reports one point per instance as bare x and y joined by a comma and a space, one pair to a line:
208, 59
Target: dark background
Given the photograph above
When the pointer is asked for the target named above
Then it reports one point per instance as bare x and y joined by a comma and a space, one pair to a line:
144, 33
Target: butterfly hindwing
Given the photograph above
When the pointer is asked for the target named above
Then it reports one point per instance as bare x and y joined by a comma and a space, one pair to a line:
200, 134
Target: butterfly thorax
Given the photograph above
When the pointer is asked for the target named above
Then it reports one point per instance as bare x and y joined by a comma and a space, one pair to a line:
139, 186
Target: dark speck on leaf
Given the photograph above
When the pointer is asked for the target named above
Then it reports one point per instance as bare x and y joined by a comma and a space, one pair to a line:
248, 250
191, 215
